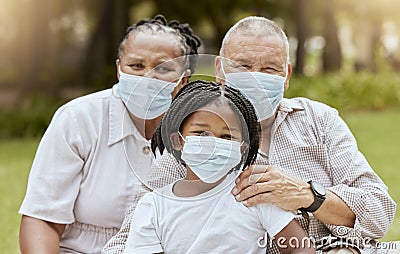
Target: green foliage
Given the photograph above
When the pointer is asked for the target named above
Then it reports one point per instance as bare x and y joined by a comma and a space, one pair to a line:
349, 91
29, 119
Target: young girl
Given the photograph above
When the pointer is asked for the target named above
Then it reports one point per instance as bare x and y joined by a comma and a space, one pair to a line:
213, 131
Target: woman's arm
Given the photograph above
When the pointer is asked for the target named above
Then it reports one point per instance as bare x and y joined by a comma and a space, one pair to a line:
53, 184
293, 239
39, 236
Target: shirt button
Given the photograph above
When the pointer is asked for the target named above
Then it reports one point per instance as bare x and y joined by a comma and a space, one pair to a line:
146, 150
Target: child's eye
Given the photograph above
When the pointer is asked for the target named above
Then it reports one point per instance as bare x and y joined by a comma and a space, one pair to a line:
230, 137
203, 133
227, 136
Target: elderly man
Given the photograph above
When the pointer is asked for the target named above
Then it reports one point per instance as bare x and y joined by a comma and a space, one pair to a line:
314, 163
308, 159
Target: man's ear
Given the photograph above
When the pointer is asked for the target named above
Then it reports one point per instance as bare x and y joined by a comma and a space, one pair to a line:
289, 74
219, 76
176, 141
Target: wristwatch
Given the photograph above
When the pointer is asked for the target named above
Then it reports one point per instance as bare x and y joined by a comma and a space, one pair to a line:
319, 196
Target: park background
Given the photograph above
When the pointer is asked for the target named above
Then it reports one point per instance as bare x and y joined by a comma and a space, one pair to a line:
345, 53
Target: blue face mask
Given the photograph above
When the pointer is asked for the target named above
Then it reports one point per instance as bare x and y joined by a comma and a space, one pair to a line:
210, 158
264, 91
146, 98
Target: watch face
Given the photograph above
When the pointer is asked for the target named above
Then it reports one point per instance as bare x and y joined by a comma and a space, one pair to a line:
319, 188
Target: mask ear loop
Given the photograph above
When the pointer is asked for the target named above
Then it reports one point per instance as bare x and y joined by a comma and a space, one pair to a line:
179, 133
286, 71
180, 79
222, 86
222, 68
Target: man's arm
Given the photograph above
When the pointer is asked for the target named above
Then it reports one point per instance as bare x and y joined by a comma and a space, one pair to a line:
268, 184
366, 209
355, 182
38, 236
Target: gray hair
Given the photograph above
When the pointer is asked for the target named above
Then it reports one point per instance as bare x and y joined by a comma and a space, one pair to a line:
256, 26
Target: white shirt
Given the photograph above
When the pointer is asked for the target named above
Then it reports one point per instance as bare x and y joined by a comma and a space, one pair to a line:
213, 222
81, 174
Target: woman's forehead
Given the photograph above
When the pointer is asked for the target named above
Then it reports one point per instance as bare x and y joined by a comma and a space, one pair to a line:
144, 44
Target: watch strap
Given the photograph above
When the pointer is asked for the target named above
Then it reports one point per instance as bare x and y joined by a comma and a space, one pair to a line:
318, 200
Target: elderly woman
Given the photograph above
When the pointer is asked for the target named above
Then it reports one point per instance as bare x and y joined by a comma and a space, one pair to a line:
89, 160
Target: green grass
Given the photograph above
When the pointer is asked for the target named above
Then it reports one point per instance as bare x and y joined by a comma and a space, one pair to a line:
377, 133
15, 160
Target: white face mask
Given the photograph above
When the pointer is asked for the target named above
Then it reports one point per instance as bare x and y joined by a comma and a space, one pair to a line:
146, 98
210, 158
264, 91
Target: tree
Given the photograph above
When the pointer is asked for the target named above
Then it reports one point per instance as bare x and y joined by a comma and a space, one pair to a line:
39, 57
218, 13
299, 9
98, 66
332, 55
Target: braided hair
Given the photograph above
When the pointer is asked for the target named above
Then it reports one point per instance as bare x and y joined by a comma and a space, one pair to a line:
189, 41
199, 93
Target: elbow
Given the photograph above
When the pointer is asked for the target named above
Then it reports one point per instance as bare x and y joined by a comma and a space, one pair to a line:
378, 219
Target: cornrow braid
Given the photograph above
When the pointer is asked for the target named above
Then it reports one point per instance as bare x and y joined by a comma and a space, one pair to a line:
195, 95
189, 41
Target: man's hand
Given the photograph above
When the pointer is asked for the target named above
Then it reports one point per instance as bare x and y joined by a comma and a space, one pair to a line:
268, 184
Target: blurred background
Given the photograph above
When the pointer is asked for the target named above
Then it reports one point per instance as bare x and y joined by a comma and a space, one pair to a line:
345, 53
53, 51
60, 49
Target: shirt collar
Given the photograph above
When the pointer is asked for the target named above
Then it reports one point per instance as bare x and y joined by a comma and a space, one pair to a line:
287, 105
120, 125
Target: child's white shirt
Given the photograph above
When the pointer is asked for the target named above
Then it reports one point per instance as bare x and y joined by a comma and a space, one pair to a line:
213, 222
